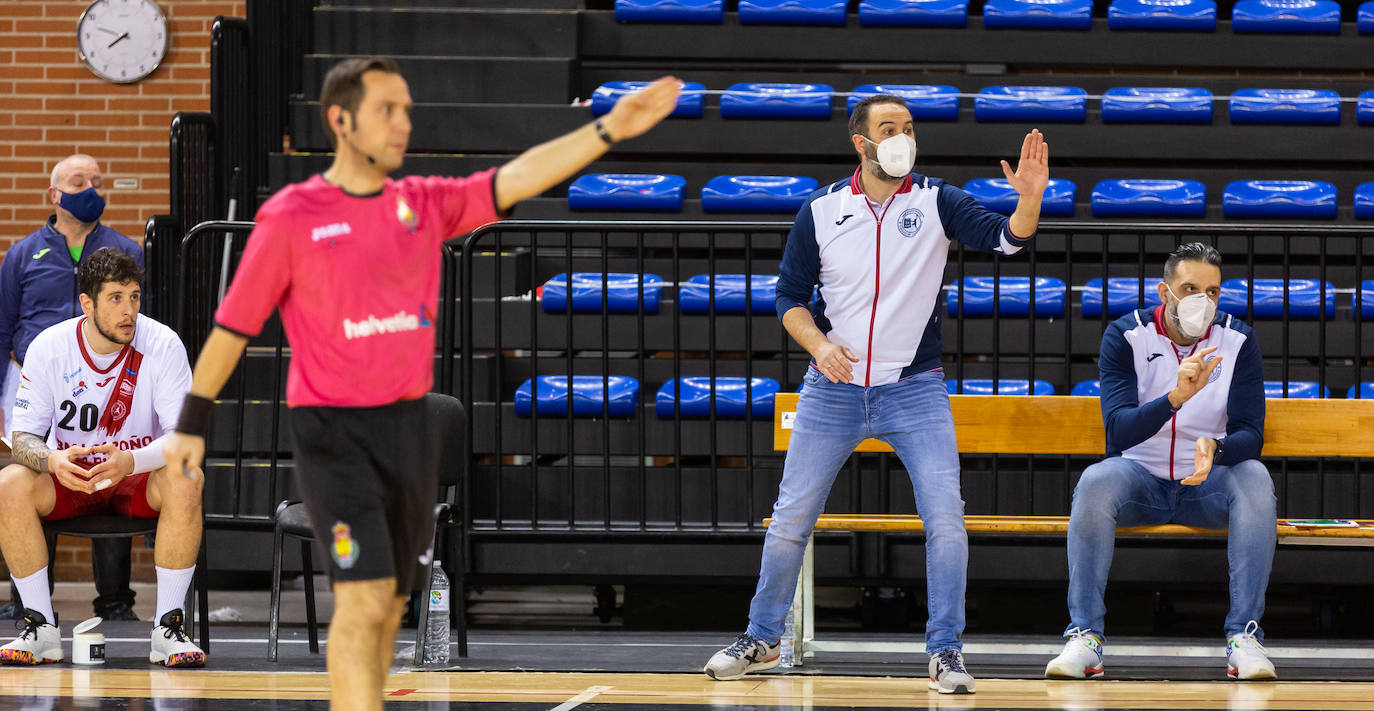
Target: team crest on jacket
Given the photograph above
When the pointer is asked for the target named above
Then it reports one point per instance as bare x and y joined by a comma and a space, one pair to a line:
910, 222
1215, 373
345, 549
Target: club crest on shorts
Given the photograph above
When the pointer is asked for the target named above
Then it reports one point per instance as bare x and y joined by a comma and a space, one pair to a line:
406, 215
345, 549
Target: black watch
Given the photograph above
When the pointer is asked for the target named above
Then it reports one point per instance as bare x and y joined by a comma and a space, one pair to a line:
1217, 454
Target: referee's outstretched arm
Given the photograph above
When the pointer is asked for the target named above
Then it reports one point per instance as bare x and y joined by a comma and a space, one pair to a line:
552, 162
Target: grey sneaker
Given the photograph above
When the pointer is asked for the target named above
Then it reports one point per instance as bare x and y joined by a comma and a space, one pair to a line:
947, 673
745, 655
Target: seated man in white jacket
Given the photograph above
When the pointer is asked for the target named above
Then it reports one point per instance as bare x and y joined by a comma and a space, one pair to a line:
1183, 403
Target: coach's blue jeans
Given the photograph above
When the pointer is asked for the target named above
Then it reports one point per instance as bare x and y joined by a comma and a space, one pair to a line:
913, 416
1120, 493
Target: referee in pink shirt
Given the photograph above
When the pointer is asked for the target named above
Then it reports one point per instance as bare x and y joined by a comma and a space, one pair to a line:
351, 259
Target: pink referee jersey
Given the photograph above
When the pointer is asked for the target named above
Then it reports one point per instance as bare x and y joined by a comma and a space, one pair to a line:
357, 283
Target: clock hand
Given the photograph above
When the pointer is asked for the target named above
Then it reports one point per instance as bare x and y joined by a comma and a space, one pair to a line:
105, 29
117, 40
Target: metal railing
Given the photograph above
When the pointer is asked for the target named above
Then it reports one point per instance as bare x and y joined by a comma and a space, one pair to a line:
671, 474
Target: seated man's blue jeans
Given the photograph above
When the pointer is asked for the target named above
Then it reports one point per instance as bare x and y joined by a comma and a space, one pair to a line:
913, 416
1120, 493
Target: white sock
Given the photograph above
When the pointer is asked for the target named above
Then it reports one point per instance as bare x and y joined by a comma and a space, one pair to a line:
171, 590
33, 593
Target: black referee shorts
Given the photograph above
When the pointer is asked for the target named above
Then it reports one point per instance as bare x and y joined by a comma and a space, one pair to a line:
369, 480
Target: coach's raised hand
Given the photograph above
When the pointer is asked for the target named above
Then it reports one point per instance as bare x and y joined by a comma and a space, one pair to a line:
1031, 176
1193, 374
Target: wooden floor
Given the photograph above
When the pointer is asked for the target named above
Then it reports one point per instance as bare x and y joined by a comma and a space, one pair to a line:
495, 690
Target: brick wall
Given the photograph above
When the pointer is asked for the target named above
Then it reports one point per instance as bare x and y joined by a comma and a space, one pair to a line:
54, 106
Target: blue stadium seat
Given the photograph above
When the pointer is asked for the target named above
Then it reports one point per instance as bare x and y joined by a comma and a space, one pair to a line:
731, 395
1364, 201
762, 100
1054, 14
1156, 105
1014, 296
1300, 16
756, 193
589, 393
998, 195
983, 386
621, 296
914, 13
1123, 296
1172, 15
1031, 103
626, 191
1279, 198
1364, 108
1366, 299
1087, 388
925, 102
1364, 19
694, 295
689, 102
705, 11
1297, 389
1363, 391
1304, 295
1150, 197
792, 12
1319, 106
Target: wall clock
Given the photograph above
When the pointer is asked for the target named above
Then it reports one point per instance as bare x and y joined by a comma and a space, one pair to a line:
122, 41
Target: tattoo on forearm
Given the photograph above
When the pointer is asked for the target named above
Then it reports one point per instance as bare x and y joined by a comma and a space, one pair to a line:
31, 451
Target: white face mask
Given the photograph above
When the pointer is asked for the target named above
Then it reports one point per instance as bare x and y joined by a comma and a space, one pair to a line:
896, 155
1194, 314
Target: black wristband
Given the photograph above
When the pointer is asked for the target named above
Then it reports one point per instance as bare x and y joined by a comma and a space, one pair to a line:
195, 415
603, 133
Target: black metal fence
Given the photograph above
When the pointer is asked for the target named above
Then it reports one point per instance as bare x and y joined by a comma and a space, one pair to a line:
659, 470
655, 470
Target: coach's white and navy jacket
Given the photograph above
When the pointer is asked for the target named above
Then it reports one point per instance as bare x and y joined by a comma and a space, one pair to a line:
1139, 366
880, 268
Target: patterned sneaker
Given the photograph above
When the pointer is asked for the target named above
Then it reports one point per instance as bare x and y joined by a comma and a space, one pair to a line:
38, 643
1245, 657
947, 673
171, 647
745, 655
1081, 658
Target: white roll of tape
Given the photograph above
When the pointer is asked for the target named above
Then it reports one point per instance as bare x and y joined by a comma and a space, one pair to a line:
88, 647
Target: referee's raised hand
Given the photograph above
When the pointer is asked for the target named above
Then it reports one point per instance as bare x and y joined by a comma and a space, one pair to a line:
638, 112
833, 360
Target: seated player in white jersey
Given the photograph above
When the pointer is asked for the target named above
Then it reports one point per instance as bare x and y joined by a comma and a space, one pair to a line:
97, 395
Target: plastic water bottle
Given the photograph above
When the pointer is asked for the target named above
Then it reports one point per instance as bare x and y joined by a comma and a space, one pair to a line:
436, 635
787, 647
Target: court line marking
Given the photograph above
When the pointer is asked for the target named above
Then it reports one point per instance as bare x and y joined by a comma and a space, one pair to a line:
587, 694
1009, 648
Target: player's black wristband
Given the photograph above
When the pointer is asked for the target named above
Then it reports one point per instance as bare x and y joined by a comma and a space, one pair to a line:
603, 133
195, 415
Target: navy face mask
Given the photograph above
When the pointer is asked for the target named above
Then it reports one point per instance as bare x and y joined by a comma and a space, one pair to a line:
86, 206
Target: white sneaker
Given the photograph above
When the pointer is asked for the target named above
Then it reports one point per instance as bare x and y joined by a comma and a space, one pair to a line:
1245, 657
38, 643
1081, 658
745, 655
171, 647
948, 675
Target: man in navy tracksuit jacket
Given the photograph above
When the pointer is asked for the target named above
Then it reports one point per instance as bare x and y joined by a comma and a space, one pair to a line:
1183, 403
38, 288
876, 244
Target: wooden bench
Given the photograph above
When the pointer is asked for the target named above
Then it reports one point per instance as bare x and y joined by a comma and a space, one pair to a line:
996, 424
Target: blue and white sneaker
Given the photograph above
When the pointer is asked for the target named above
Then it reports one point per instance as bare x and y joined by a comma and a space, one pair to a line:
746, 654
